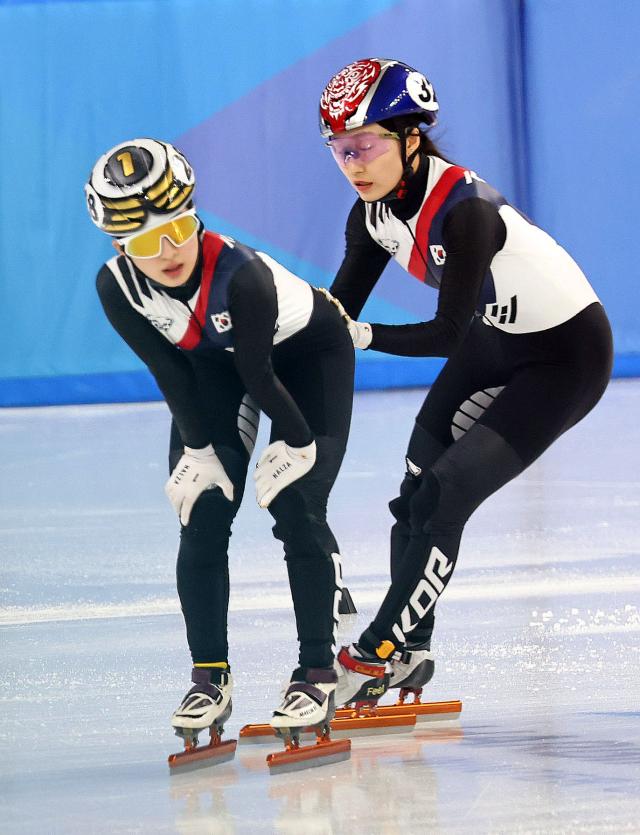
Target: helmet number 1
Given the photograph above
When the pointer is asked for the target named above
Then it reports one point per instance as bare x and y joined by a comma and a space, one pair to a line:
127, 163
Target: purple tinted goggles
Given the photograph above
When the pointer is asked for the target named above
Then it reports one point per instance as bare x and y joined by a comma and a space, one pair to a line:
364, 147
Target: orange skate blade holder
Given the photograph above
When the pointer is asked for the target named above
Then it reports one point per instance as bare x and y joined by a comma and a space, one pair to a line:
347, 723
356, 723
199, 756
295, 757
369, 717
422, 711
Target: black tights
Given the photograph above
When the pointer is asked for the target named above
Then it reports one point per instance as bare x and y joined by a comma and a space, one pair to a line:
498, 403
316, 368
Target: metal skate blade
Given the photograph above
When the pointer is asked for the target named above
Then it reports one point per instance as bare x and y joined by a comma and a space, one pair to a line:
433, 711
426, 718
309, 756
367, 725
202, 757
346, 724
423, 711
256, 734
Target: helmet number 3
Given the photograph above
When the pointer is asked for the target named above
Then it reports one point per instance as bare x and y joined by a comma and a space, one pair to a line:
126, 162
91, 204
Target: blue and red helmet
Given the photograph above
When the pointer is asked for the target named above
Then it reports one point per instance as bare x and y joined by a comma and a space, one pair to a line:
374, 89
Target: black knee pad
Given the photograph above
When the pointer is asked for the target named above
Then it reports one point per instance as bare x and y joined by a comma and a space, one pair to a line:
400, 506
303, 533
206, 537
424, 502
441, 504
424, 450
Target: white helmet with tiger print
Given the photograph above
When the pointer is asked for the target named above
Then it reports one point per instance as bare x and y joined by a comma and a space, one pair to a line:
138, 185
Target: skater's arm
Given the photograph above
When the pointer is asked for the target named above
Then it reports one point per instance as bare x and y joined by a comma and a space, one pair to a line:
362, 266
253, 305
170, 368
473, 232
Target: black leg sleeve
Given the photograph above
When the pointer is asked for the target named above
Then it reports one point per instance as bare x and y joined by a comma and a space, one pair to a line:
424, 450
202, 569
313, 566
202, 573
467, 473
321, 381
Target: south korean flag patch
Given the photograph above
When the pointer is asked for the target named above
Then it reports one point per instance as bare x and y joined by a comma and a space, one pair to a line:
438, 254
222, 321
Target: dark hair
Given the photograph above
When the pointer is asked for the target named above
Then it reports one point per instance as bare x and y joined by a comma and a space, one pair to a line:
403, 124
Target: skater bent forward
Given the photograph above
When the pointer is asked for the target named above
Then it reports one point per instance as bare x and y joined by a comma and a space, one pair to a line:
227, 332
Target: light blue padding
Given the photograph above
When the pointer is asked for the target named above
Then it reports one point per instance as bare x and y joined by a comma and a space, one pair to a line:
583, 115
76, 79
540, 97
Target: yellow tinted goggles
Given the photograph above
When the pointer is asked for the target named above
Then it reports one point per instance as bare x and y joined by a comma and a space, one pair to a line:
149, 244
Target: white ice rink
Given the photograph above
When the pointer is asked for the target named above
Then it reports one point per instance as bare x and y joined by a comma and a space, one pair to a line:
538, 635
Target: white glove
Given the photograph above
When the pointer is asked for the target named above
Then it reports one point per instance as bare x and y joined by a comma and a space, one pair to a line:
279, 466
361, 334
198, 470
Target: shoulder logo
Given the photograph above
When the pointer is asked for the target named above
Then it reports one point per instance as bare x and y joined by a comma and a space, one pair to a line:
413, 469
438, 254
222, 321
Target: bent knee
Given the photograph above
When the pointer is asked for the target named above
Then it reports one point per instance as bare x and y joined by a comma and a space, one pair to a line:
400, 507
211, 517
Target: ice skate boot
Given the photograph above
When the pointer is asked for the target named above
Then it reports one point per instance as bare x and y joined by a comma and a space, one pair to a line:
411, 669
207, 705
308, 703
362, 677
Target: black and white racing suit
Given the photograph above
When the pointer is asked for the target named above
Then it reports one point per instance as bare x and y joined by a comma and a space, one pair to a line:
245, 335
529, 353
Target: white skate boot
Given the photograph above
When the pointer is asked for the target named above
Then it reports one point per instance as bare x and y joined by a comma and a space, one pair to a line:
307, 701
411, 669
208, 702
206, 706
360, 677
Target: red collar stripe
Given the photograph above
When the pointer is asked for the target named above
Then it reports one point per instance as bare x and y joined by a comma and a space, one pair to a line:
211, 249
431, 206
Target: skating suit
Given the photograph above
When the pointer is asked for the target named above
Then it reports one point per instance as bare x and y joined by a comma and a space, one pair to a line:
245, 335
529, 354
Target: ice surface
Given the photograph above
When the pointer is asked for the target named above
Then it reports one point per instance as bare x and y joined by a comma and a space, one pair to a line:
538, 634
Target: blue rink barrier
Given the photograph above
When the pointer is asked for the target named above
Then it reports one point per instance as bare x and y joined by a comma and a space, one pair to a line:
139, 386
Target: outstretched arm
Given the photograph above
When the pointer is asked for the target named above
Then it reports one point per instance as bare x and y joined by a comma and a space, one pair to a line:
362, 265
472, 234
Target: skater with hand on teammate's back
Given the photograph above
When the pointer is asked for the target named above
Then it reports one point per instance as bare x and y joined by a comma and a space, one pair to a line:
527, 342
